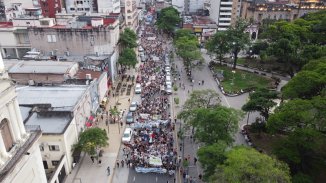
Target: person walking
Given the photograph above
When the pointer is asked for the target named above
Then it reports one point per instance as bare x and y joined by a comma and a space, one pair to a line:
108, 170
202, 82
195, 160
122, 163
118, 163
92, 158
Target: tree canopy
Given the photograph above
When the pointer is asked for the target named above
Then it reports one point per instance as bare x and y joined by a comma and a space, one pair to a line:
168, 19
238, 39
187, 47
247, 165
219, 45
91, 139
128, 38
215, 124
262, 101
128, 58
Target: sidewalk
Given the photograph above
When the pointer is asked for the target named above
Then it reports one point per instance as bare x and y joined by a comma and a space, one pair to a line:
88, 172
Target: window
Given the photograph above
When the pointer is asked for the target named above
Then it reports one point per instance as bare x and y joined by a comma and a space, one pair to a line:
54, 148
45, 164
6, 134
72, 9
41, 148
52, 38
80, 9
55, 163
87, 9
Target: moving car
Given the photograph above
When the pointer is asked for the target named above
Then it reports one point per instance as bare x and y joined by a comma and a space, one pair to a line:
138, 88
127, 134
130, 118
167, 69
133, 106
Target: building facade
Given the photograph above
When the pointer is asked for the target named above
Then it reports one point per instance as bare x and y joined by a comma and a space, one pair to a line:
94, 6
50, 7
130, 12
20, 157
95, 36
257, 11
224, 12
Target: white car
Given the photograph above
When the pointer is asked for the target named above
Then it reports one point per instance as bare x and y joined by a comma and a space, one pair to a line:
141, 54
138, 88
127, 134
168, 74
168, 83
168, 89
167, 69
140, 49
133, 106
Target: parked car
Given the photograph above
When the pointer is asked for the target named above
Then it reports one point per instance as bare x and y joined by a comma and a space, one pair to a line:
130, 118
140, 49
167, 69
168, 74
138, 88
133, 106
168, 89
127, 134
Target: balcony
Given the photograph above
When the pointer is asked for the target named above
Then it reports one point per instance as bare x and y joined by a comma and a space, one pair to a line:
20, 150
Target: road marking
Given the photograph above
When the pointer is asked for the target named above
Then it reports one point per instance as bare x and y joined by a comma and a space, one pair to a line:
134, 179
226, 100
156, 178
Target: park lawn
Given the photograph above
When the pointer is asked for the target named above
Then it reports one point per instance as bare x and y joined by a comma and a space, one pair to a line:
241, 80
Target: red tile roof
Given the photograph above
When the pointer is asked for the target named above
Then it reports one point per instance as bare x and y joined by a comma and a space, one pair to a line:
81, 74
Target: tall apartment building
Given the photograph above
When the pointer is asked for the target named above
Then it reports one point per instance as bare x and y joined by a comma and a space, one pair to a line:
50, 7
224, 12
20, 156
188, 6
130, 11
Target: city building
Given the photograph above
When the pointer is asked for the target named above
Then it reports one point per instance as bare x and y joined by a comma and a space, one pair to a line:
259, 10
10, 9
20, 156
62, 112
50, 7
224, 12
94, 6
202, 26
130, 12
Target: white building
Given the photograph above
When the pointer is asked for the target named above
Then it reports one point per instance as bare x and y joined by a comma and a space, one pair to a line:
62, 112
224, 12
10, 9
94, 6
130, 12
188, 6
20, 157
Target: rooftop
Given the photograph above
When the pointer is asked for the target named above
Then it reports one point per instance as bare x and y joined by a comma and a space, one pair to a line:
61, 98
81, 74
51, 124
47, 67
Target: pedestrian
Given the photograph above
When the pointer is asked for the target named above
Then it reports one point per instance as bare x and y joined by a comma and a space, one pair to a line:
129, 100
118, 163
122, 163
195, 160
202, 82
121, 124
198, 82
99, 161
108, 170
200, 176
92, 158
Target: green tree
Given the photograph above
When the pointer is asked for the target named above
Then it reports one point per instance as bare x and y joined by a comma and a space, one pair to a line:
314, 76
249, 166
301, 150
286, 52
168, 19
238, 39
188, 49
128, 58
219, 45
199, 99
297, 114
92, 139
184, 33
262, 101
210, 156
114, 113
215, 124
128, 38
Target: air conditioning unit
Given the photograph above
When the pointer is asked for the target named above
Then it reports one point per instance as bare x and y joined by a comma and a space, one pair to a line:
67, 53
88, 76
52, 53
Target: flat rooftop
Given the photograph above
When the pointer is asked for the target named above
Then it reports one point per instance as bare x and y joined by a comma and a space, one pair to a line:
61, 98
46, 67
54, 124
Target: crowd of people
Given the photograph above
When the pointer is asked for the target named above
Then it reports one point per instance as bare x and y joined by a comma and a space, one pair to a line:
152, 146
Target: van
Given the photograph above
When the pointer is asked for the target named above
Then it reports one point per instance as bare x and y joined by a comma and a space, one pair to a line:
127, 134
168, 78
138, 88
